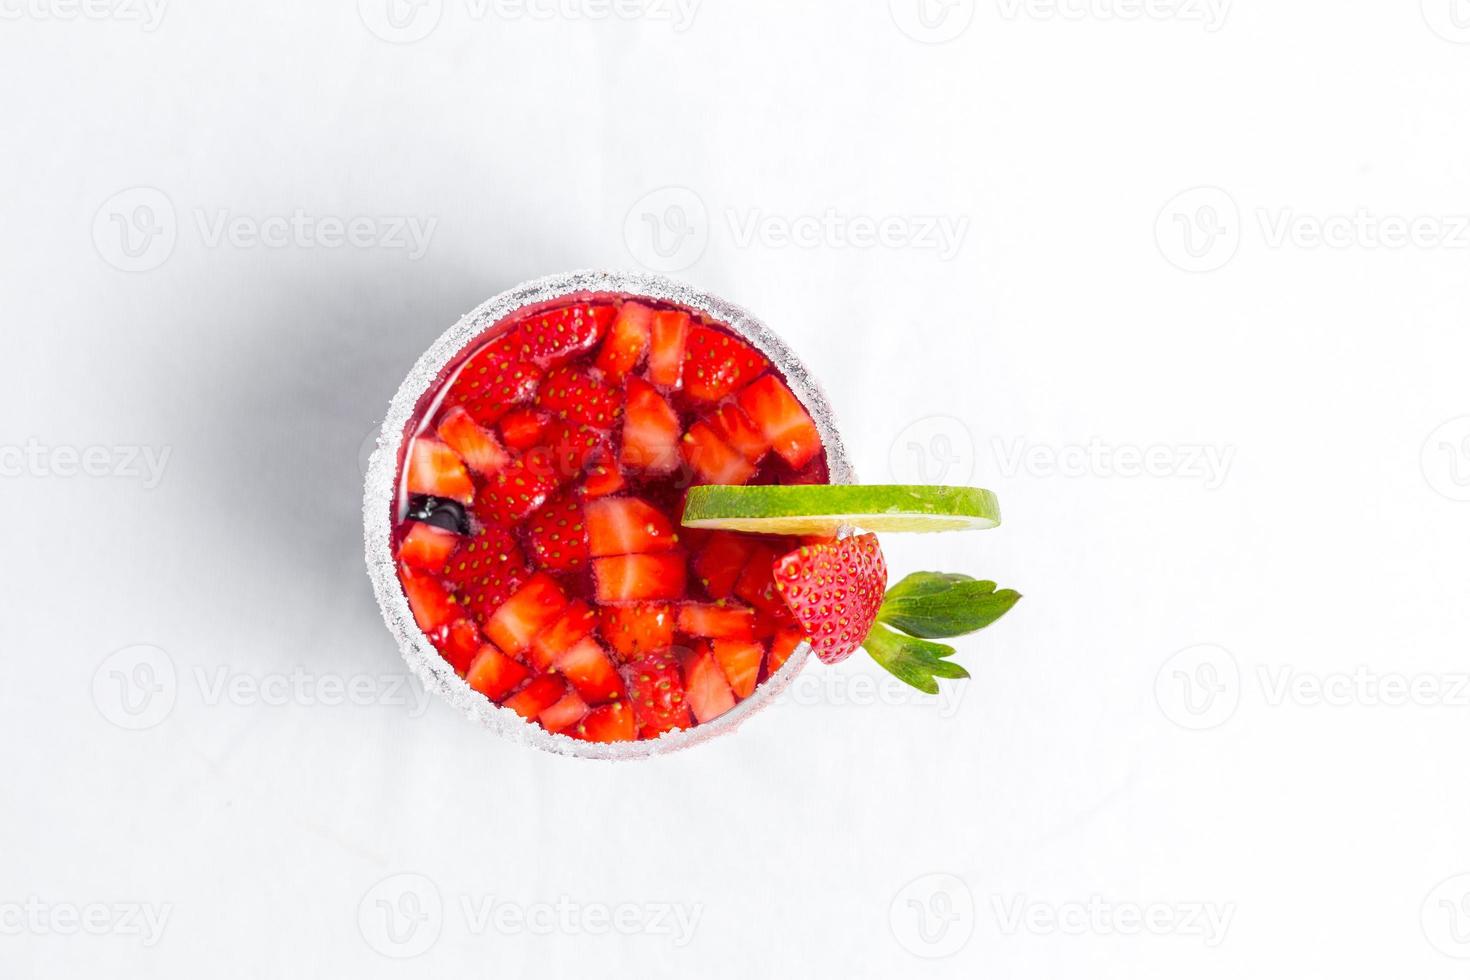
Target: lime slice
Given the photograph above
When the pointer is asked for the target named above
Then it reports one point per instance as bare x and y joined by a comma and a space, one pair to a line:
823, 509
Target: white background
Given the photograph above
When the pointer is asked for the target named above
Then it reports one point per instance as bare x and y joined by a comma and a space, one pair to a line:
1196, 717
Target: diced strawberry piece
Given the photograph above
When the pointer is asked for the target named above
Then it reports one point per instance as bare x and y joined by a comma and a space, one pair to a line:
626, 342
432, 607
609, 723
650, 430
494, 674
741, 662
770, 621
603, 478
522, 428
589, 669
537, 696
633, 631
639, 578
626, 526
575, 622
834, 590
437, 470
491, 384
485, 570
478, 447
558, 535
716, 363
720, 562
427, 547
712, 460
782, 647
757, 583
574, 445
705, 686
726, 622
656, 692
739, 432
782, 420
535, 606
517, 491
472, 382
559, 335
459, 644
576, 395
666, 352
565, 713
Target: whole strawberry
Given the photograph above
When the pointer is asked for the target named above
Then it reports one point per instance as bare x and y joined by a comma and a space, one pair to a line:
835, 591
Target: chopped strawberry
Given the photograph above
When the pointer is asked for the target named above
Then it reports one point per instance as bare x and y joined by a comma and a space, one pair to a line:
534, 606
589, 669
437, 470
666, 351
770, 621
711, 459
494, 674
574, 445
432, 607
626, 342
485, 570
782, 420
726, 622
558, 335
577, 395
705, 686
720, 562
650, 430
635, 630
639, 578
782, 647
757, 584
575, 622
516, 492
741, 662
609, 723
537, 696
493, 383
522, 428
557, 535
739, 432
565, 713
716, 363
626, 526
656, 691
603, 478
835, 591
459, 644
427, 547
478, 447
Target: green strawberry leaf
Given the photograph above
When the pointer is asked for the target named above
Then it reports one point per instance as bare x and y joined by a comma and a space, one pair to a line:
941, 605
915, 662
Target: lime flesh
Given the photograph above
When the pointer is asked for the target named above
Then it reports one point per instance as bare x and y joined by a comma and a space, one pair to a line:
823, 509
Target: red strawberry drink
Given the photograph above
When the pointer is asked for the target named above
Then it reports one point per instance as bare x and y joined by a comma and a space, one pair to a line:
523, 513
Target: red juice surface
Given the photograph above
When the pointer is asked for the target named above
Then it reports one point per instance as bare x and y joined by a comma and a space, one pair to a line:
537, 520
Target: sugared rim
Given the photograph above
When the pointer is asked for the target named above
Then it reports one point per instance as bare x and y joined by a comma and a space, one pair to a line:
422, 658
